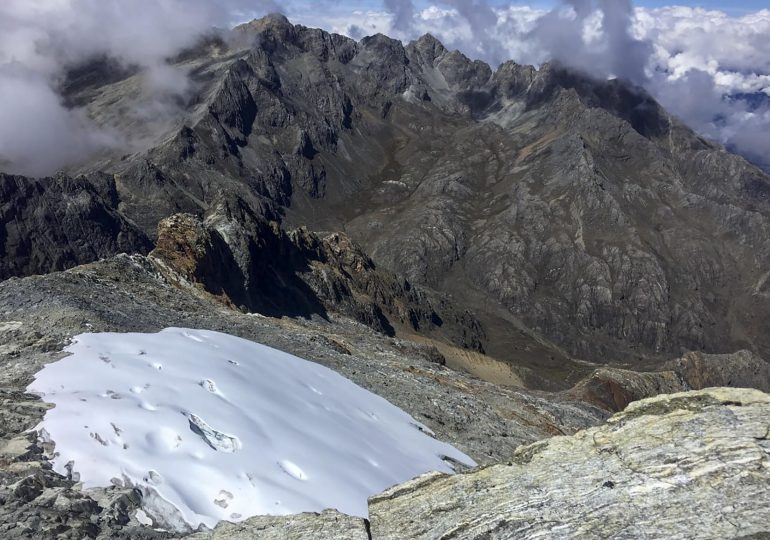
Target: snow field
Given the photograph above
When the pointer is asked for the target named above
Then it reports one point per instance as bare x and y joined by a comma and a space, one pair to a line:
212, 427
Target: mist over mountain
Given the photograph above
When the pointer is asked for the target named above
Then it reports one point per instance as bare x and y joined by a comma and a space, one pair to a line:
690, 59
41, 41
663, 50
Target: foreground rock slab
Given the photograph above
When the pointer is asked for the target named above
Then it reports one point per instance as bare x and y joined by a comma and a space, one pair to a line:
687, 465
329, 525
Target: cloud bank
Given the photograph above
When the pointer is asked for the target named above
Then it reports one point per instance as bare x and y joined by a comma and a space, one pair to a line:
39, 39
713, 71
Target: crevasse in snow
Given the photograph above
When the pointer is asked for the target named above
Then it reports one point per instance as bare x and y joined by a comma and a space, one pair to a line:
213, 427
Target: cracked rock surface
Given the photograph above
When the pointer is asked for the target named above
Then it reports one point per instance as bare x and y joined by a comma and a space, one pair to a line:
679, 466
613, 389
329, 525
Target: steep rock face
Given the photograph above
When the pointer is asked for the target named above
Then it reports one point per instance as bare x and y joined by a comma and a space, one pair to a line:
742, 370
690, 465
261, 268
198, 255
57, 223
581, 219
613, 389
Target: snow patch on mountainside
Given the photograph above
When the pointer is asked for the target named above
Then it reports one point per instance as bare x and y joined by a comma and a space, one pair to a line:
212, 427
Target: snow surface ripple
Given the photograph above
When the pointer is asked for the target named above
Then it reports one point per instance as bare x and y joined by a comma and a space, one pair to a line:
213, 427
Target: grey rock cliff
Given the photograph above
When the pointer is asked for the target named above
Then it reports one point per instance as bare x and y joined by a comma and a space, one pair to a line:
318, 274
57, 223
575, 210
613, 389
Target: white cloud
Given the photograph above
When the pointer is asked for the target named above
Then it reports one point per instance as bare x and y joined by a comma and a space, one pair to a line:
355, 24
37, 134
701, 38
39, 39
702, 60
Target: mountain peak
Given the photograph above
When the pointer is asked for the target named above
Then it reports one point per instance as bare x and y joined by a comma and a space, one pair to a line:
429, 46
271, 19
311, 128
274, 21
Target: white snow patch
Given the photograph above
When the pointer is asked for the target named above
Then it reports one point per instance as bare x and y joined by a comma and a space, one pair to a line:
142, 518
213, 427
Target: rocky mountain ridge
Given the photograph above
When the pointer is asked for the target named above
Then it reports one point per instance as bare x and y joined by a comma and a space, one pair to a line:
614, 389
317, 274
574, 213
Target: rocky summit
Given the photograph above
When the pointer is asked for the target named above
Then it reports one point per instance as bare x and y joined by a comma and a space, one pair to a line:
510, 255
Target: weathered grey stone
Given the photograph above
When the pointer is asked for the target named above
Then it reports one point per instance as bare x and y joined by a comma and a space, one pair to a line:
329, 525
613, 389
57, 223
742, 369
680, 466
